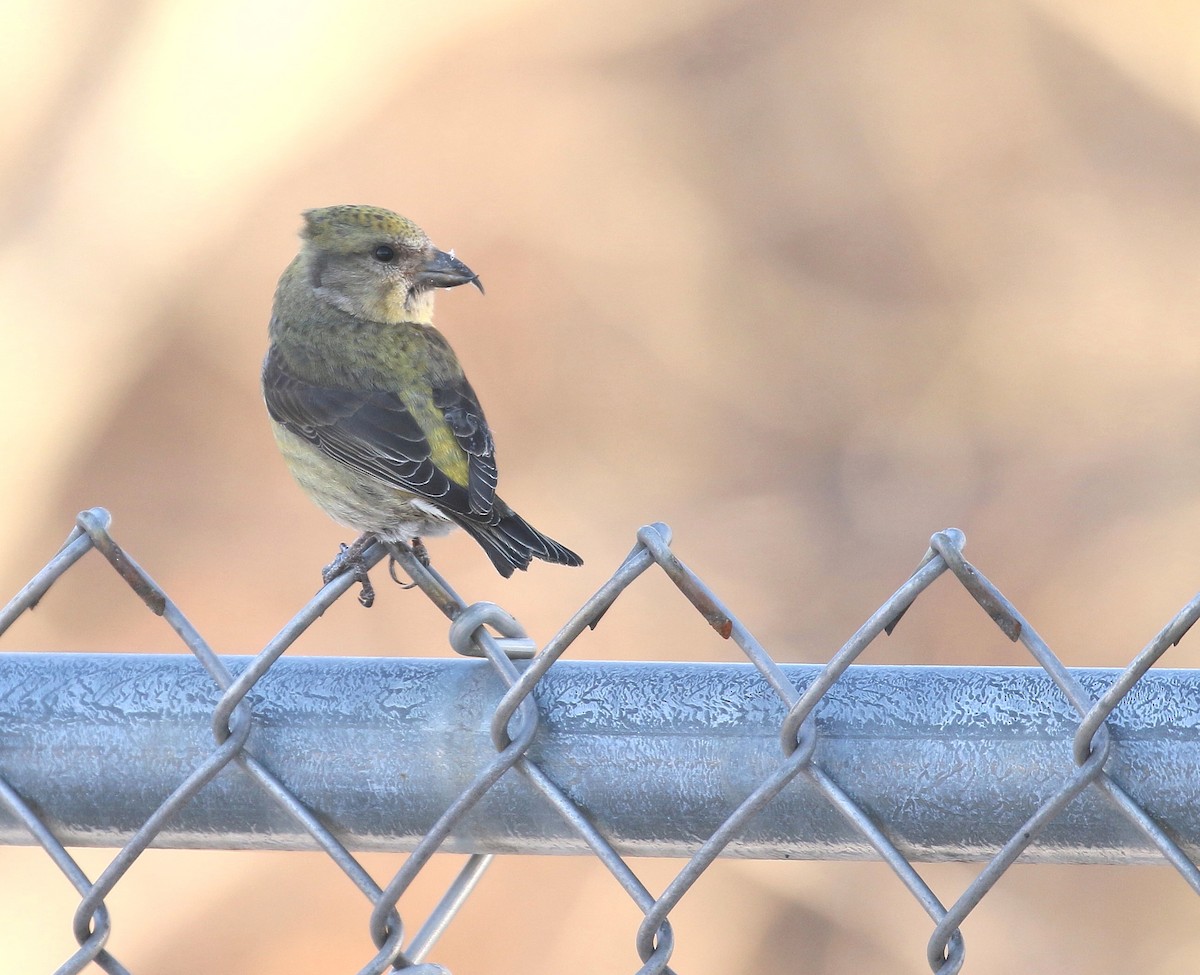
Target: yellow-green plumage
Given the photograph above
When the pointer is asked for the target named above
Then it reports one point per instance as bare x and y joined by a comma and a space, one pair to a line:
371, 409
405, 358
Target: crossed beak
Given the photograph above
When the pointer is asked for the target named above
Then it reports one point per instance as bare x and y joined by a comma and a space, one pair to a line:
444, 270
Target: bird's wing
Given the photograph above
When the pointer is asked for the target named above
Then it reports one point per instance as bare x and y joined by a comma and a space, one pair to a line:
374, 433
465, 418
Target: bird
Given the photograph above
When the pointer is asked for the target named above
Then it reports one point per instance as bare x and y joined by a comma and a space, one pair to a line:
368, 403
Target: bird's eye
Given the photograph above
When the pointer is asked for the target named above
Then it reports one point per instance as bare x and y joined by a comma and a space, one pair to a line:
385, 254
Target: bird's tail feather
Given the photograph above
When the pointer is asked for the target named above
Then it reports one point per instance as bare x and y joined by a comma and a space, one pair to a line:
512, 543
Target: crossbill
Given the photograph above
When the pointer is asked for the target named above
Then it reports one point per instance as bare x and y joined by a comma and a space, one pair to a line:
369, 405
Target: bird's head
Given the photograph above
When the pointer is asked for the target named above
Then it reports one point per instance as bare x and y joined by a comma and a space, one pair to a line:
375, 264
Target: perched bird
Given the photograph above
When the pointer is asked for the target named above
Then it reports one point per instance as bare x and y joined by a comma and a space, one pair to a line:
368, 402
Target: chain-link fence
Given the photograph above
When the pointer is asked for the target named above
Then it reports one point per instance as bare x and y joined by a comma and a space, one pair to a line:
522, 751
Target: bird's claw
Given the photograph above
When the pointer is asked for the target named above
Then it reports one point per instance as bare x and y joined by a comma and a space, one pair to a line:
366, 595
395, 578
422, 555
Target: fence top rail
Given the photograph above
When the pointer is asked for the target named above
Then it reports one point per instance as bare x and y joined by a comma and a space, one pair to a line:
657, 754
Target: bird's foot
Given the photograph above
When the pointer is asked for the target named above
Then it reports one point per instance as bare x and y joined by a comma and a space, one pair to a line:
422, 554
395, 578
350, 559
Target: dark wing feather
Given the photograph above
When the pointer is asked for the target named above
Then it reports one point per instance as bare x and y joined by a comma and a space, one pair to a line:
465, 417
374, 433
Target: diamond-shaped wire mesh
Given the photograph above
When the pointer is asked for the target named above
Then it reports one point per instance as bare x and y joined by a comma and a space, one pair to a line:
802, 696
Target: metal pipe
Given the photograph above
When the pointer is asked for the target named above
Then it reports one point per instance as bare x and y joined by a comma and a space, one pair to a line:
949, 762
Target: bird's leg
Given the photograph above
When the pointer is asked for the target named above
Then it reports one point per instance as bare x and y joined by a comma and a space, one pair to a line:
350, 559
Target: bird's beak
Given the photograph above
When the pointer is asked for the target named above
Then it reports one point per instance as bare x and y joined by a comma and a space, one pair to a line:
444, 270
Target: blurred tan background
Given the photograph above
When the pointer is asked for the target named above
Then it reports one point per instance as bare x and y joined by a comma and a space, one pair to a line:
806, 281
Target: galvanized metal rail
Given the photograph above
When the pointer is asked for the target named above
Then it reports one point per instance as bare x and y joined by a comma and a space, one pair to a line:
951, 760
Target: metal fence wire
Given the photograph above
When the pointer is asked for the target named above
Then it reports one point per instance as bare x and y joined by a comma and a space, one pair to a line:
616, 760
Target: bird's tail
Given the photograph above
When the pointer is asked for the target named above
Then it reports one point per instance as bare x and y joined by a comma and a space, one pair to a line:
512, 543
